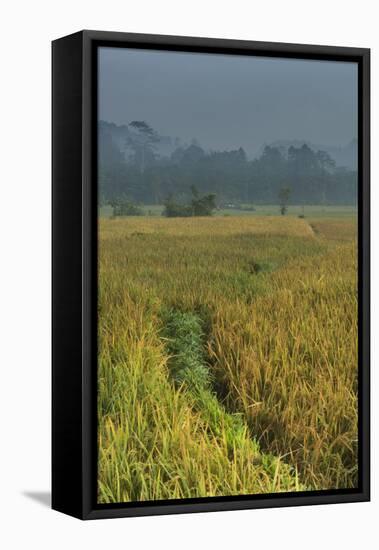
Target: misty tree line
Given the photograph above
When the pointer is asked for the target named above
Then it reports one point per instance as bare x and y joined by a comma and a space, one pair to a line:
132, 167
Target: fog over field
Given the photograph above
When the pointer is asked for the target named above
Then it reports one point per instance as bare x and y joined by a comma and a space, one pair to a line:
240, 128
227, 102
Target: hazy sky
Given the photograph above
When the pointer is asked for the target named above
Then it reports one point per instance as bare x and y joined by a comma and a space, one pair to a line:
229, 101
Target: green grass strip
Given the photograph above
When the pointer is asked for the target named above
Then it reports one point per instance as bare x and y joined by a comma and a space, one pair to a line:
185, 343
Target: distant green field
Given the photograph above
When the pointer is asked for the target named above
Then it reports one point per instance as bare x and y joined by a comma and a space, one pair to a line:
312, 211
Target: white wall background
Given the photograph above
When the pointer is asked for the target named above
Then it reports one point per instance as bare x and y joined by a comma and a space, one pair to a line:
26, 31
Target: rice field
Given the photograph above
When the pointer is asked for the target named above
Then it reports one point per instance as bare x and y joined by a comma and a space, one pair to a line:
227, 356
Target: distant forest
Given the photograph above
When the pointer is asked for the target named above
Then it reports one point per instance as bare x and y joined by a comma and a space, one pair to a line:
137, 164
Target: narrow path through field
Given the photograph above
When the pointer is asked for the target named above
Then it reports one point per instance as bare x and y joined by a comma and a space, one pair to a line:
186, 345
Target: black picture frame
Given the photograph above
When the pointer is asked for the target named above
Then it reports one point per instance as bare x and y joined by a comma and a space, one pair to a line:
74, 272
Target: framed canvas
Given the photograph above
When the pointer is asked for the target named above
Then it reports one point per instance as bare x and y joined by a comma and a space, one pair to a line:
210, 275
